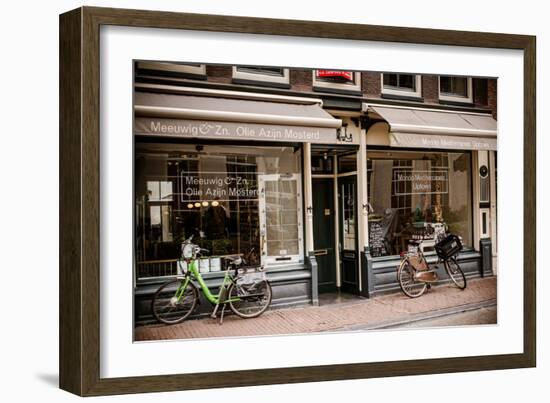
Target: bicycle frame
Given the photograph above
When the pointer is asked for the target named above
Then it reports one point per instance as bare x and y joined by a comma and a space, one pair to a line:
193, 272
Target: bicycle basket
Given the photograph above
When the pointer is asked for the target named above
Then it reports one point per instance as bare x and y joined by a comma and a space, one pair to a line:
181, 267
251, 275
448, 247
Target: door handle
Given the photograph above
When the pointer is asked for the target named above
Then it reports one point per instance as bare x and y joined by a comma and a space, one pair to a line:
320, 252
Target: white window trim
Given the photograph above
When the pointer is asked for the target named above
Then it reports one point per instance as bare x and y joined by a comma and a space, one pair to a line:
268, 78
456, 98
356, 86
173, 68
274, 259
401, 91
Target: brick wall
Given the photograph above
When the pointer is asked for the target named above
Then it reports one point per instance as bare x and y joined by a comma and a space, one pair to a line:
301, 80
484, 90
219, 74
371, 84
430, 89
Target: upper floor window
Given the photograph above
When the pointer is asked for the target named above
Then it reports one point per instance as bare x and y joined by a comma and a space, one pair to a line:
402, 85
456, 89
336, 80
173, 69
258, 74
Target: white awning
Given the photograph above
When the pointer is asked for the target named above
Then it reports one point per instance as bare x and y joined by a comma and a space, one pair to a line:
225, 117
420, 128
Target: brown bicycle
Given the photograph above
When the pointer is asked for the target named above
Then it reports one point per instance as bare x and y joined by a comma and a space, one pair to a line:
416, 276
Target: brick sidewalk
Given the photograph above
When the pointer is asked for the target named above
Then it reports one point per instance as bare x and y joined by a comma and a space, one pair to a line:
354, 314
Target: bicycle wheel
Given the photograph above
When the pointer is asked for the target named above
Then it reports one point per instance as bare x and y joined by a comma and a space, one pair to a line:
166, 307
409, 285
455, 273
254, 298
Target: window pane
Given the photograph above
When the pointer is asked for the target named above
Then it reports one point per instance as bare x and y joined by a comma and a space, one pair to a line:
321, 164
410, 191
155, 215
445, 85
390, 80
406, 81
166, 190
347, 163
348, 209
214, 195
457, 86
153, 190
281, 201
460, 86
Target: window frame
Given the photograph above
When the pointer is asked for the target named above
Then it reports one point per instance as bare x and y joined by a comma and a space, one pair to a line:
267, 259
237, 74
402, 91
344, 87
443, 96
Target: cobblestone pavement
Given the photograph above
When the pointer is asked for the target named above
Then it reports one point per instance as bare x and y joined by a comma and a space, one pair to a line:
393, 310
484, 315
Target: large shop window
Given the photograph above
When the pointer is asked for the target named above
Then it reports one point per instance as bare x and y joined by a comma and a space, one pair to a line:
411, 193
233, 199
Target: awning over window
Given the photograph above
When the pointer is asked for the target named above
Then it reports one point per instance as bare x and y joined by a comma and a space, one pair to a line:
417, 128
267, 118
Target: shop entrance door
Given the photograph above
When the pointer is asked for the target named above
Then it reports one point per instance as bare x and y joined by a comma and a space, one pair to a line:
280, 218
347, 199
323, 233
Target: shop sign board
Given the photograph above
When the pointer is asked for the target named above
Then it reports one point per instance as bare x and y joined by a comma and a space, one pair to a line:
198, 129
347, 75
419, 140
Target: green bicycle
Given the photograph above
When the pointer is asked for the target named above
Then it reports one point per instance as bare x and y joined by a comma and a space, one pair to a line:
248, 296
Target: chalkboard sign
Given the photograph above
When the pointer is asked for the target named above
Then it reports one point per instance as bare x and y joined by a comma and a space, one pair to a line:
377, 230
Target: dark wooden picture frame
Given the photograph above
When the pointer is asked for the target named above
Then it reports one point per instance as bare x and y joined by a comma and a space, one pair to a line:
79, 347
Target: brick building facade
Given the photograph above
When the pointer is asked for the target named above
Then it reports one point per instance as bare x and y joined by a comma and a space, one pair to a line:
363, 162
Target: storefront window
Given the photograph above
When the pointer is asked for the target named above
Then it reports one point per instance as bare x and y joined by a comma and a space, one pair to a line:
413, 193
232, 199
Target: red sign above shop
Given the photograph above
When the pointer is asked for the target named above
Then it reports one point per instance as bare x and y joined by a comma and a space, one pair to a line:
347, 75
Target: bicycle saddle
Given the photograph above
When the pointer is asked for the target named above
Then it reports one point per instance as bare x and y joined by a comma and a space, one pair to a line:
235, 259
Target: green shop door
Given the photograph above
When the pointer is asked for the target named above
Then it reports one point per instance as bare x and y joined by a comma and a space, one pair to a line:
323, 233
348, 247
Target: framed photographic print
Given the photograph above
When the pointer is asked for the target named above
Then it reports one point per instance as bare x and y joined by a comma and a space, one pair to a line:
278, 201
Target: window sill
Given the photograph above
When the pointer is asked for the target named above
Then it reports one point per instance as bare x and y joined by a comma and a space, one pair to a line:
458, 102
403, 97
260, 83
337, 91
168, 74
